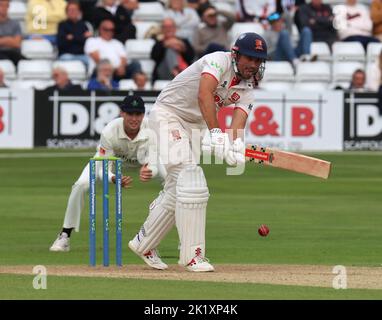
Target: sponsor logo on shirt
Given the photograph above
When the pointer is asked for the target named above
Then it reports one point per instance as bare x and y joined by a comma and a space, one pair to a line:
217, 66
218, 100
234, 97
175, 135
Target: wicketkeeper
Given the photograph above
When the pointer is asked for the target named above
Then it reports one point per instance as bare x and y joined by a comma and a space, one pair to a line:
125, 137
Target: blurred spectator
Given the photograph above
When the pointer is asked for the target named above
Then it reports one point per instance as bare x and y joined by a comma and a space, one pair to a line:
354, 23
124, 26
249, 10
140, 80
43, 17
171, 54
289, 11
186, 19
358, 81
212, 35
104, 77
374, 74
2, 83
87, 8
198, 5
120, 12
280, 44
105, 47
105, 11
72, 34
319, 18
62, 81
376, 17
10, 35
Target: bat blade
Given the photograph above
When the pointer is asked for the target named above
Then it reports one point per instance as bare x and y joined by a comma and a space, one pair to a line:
289, 161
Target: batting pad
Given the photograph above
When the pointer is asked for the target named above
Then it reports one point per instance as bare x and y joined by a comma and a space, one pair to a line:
159, 222
190, 212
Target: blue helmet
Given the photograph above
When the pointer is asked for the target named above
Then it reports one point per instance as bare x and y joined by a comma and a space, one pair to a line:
251, 44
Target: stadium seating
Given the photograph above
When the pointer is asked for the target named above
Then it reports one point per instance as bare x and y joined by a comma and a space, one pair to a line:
34, 69
224, 6
373, 51
8, 68
149, 11
143, 27
128, 84
278, 71
31, 84
147, 67
76, 69
313, 71
139, 48
17, 10
311, 86
321, 50
37, 49
332, 68
348, 51
342, 71
241, 27
343, 85
160, 84
276, 85
336, 2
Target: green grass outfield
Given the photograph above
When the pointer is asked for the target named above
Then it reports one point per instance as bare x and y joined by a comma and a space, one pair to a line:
20, 287
312, 221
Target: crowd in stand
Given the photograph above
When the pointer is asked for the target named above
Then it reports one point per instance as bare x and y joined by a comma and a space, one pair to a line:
95, 32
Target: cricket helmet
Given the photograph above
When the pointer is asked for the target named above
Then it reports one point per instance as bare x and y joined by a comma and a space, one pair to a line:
252, 45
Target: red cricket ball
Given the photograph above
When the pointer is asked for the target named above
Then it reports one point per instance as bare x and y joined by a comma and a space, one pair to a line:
263, 230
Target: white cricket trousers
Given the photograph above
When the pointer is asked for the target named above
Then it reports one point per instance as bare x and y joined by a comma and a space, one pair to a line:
77, 197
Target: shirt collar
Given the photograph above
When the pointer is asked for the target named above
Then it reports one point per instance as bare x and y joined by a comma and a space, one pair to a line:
111, 9
236, 82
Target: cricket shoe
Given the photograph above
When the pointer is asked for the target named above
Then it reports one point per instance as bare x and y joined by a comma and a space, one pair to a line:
199, 264
151, 257
61, 244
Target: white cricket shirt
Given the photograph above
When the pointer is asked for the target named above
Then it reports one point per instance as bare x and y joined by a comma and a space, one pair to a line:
115, 142
180, 96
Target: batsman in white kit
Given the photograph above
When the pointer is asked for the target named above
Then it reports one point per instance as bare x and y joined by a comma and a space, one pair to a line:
190, 102
125, 137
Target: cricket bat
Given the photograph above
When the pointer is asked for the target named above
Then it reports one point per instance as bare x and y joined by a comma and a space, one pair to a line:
288, 161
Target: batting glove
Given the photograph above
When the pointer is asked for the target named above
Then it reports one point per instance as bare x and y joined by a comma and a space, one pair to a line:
216, 143
235, 155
